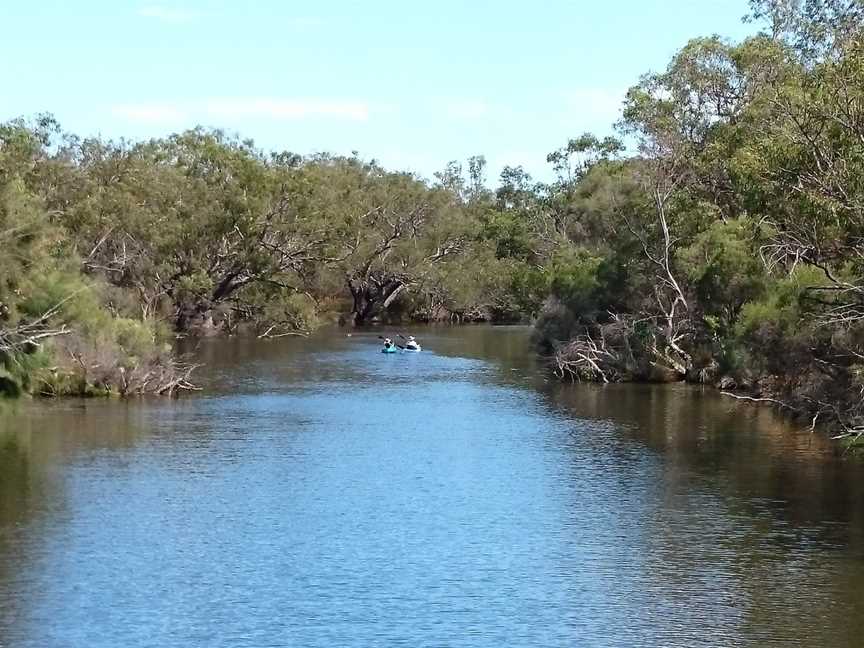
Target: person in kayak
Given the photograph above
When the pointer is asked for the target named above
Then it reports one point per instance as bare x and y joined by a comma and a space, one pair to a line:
411, 343
388, 343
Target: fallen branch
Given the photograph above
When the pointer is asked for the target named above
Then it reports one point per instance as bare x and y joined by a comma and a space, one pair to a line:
585, 357
754, 399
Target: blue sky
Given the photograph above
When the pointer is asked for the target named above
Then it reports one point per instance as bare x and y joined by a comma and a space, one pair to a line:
412, 84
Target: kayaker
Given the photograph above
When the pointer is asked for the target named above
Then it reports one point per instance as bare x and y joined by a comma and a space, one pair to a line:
388, 343
411, 343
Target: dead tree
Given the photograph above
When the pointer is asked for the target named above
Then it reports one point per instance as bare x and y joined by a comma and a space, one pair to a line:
663, 178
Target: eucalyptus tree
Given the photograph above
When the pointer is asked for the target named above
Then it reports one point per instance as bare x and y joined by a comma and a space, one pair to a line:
191, 223
60, 331
385, 231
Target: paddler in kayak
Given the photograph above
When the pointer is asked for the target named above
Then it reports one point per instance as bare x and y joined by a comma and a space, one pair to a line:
411, 344
388, 345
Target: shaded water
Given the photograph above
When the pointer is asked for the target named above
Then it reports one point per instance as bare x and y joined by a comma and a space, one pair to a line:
318, 493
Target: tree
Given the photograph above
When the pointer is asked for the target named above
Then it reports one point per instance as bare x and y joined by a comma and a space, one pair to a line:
193, 223
385, 231
58, 333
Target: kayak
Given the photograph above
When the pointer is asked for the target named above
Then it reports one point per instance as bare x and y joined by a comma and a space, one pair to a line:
392, 349
413, 349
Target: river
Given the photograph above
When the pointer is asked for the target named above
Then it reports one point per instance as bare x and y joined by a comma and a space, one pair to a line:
319, 493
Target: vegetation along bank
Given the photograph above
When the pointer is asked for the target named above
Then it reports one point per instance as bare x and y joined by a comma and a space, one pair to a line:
720, 240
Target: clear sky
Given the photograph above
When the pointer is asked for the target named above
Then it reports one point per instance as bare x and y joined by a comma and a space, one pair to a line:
412, 84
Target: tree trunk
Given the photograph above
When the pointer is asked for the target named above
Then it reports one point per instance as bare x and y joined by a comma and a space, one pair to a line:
371, 297
196, 317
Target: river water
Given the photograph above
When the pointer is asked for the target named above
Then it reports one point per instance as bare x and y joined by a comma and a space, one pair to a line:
319, 493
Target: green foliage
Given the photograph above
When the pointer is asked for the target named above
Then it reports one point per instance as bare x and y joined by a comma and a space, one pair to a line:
782, 309
573, 279
287, 312
724, 269
60, 330
510, 233
730, 245
18, 372
528, 288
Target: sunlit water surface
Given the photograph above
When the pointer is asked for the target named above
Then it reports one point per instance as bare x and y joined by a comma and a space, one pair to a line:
319, 493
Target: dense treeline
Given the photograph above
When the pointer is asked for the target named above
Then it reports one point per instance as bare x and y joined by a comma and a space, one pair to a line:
112, 248
729, 249
719, 241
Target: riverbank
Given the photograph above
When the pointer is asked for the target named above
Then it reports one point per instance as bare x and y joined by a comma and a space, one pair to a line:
603, 360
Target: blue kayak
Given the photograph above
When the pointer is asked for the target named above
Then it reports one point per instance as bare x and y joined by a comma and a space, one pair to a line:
392, 349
